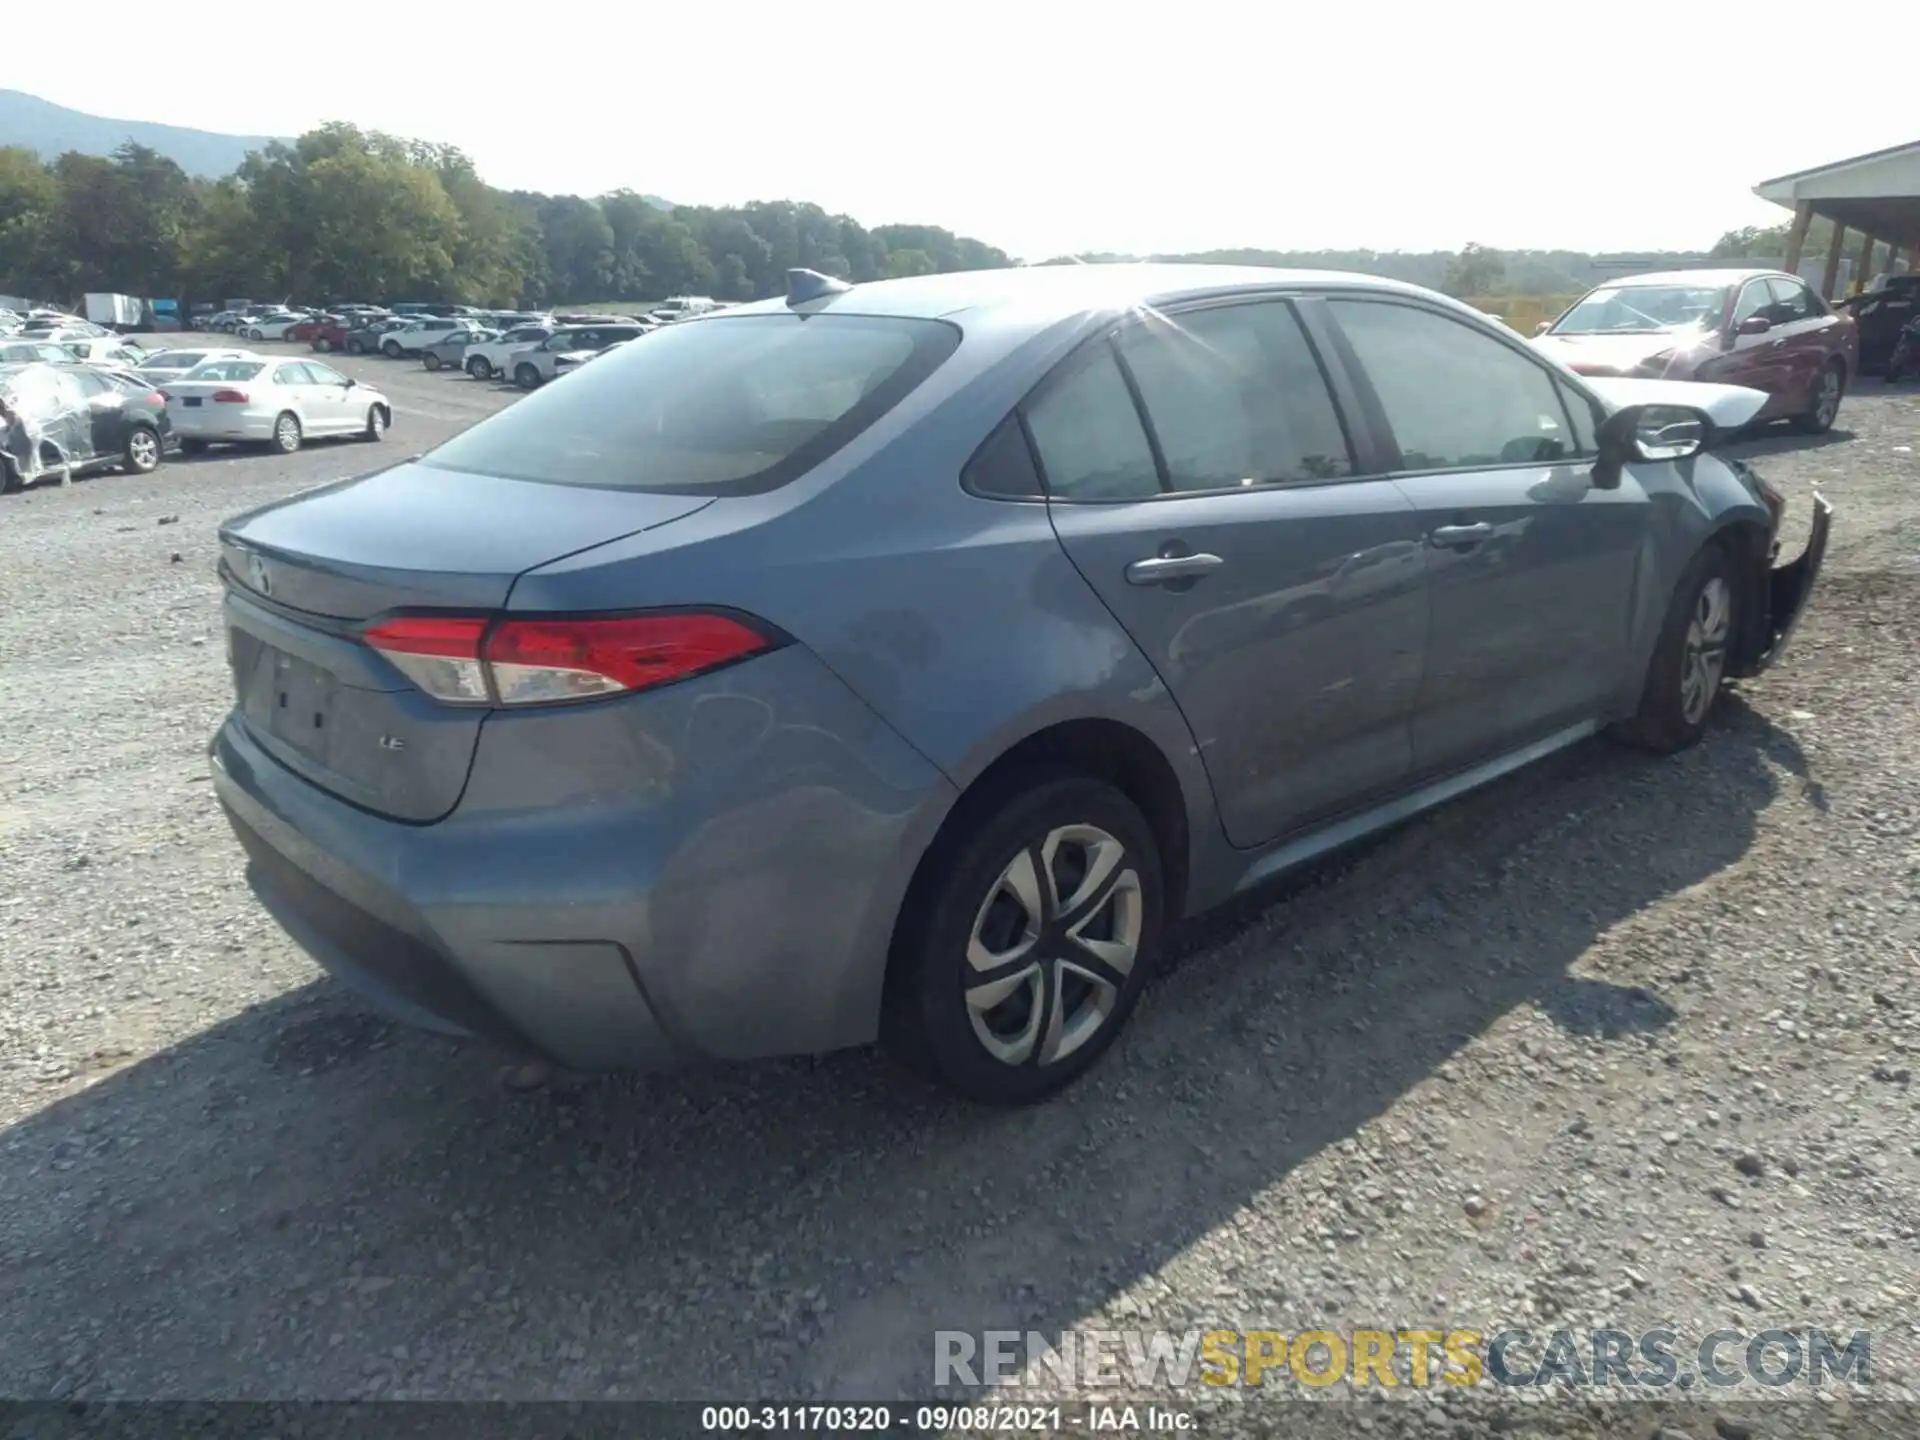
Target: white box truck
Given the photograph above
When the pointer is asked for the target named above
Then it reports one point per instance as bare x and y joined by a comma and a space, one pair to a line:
116, 312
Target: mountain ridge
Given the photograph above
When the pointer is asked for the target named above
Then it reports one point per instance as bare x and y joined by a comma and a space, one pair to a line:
51, 130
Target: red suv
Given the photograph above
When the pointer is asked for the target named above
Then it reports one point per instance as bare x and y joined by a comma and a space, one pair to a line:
1759, 328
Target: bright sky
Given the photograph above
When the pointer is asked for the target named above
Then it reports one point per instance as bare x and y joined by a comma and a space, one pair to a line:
1055, 125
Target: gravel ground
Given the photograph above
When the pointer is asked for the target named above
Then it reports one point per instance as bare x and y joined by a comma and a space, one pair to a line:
1616, 1042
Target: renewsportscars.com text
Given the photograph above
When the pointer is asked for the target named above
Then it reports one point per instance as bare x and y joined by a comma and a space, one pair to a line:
1654, 1359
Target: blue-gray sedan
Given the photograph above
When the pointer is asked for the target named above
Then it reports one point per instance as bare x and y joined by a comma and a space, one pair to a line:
899, 661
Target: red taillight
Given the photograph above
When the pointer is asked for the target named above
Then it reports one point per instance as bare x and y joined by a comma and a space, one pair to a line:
229, 397
157, 397
460, 661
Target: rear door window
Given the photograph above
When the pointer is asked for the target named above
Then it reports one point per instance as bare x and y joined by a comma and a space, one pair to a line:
1086, 430
726, 407
1236, 398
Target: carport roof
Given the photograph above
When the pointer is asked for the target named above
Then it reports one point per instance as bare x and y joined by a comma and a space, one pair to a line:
1876, 194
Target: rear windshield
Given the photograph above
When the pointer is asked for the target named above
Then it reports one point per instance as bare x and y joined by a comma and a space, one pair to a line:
176, 359
227, 370
720, 407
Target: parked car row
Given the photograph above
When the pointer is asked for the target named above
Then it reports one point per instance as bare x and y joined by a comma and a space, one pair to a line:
71, 418
529, 352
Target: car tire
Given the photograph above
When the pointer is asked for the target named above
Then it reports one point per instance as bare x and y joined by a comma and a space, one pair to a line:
1690, 657
286, 433
1828, 391
10, 480
322, 344
430, 360
526, 376
193, 447
1004, 1041
377, 422
354, 347
479, 367
391, 349
142, 453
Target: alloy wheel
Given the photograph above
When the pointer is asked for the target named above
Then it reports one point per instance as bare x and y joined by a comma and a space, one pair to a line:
143, 450
1052, 946
286, 433
1827, 407
1704, 660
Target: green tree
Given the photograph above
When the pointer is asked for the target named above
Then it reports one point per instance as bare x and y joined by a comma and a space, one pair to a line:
1476, 270
29, 194
901, 263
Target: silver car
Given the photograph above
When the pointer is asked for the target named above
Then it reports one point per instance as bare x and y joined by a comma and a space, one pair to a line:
899, 661
535, 365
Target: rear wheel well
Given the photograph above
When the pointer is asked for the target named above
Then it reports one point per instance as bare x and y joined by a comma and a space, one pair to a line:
1100, 749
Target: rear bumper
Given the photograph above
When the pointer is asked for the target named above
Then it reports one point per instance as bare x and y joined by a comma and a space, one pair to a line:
713, 870
208, 423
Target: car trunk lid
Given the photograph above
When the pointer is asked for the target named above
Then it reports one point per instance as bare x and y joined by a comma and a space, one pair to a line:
303, 577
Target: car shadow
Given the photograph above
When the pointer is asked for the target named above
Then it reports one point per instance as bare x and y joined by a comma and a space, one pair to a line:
1782, 439
304, 1201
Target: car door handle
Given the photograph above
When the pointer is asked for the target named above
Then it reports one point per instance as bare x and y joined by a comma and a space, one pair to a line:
1450, 535
1161, 569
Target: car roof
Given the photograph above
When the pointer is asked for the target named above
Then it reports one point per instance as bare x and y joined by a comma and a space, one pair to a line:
1692, 277
1055, 292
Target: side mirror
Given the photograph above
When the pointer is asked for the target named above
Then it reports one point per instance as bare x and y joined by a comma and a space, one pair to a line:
1543, 327
1650, 434
1753, 325
351, 382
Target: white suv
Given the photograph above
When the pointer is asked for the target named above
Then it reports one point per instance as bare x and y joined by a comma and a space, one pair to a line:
489, 357
412, 338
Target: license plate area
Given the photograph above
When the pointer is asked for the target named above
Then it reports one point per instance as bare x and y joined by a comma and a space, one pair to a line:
290, 699
192, 402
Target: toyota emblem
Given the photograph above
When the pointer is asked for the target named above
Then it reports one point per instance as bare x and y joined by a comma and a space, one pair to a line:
257, 573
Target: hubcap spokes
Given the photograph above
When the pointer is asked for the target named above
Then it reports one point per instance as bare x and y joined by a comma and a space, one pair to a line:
1052, 946
1706, 653
1829, 397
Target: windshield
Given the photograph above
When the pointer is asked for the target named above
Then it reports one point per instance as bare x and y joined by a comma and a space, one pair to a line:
227, 370
175, 359
718, 407
1645, 309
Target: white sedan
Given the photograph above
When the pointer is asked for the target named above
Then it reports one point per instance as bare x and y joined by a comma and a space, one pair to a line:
279, 403
270, 327
111, 350
164, 365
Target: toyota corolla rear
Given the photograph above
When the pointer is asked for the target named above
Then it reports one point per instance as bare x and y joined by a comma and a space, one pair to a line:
488, 769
